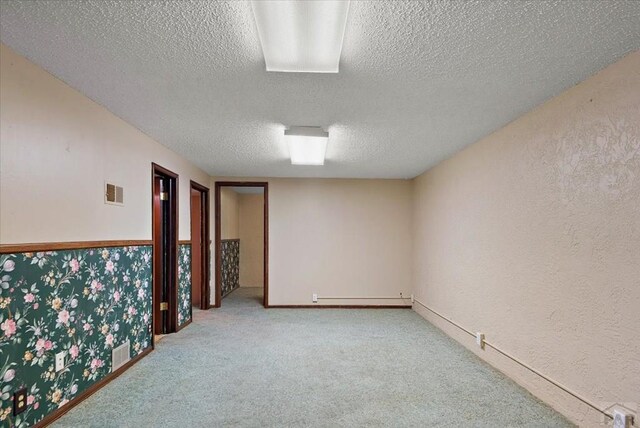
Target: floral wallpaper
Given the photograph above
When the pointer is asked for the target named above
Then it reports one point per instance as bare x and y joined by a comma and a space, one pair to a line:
230, 265
81, 302
184, 283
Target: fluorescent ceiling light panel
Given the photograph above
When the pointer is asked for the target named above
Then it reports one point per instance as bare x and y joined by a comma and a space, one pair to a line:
301, 36
307, 144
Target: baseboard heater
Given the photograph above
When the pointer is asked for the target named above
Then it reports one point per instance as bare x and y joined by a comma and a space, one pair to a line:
521, 363
361, 298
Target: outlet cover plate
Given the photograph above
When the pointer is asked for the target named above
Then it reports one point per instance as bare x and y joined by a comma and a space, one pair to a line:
314, 298
19, 401
60, 361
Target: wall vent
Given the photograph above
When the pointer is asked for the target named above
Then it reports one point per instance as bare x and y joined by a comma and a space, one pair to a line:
113, 194
120, 356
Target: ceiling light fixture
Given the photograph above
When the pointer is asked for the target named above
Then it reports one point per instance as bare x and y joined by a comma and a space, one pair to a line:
307, 144
301, 36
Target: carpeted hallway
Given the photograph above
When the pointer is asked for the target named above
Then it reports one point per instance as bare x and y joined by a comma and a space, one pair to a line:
242, 365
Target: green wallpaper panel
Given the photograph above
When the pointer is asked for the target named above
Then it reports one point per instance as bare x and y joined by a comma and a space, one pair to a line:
230, 249
83, 302
184, 283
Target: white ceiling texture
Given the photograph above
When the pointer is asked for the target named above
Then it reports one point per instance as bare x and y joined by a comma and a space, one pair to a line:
418, 80
249, 190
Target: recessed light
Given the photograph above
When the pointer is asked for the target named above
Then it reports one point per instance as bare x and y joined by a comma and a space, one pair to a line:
301, 36
307, 144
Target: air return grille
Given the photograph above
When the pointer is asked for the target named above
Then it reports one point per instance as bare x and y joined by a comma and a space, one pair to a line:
113, 194
120, 355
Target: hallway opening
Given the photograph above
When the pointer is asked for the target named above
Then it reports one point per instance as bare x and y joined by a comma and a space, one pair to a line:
241, 239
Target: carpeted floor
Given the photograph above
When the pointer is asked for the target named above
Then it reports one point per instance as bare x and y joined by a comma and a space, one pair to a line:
242, 365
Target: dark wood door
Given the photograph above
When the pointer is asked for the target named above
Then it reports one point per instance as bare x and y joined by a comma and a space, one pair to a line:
158, 265
196, 247
165, 261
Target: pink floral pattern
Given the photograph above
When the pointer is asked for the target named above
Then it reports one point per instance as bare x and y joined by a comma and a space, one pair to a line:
184, 284
230, 249
80, 302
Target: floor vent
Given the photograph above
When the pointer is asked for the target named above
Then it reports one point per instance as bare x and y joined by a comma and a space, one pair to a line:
120, 356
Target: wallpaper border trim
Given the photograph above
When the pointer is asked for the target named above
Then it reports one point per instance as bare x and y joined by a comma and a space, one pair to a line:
58, 413
71, 245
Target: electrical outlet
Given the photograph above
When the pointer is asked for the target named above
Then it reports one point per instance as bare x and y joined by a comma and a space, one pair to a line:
621, 419
480, 340
60, 360
19, 401
314, 298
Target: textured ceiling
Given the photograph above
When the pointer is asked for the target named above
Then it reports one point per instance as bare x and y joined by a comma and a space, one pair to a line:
249, 190
418, 81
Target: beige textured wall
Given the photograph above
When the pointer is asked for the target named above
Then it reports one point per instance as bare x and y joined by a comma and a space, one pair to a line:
229, 214
57, 148
338, 238
532, 236
251, 225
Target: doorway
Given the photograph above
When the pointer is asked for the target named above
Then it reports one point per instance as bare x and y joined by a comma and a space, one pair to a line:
200, 246
228, 247
165, 250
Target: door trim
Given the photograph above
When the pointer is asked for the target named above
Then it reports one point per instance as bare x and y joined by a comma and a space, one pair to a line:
218, 241
205, 291
173, 250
